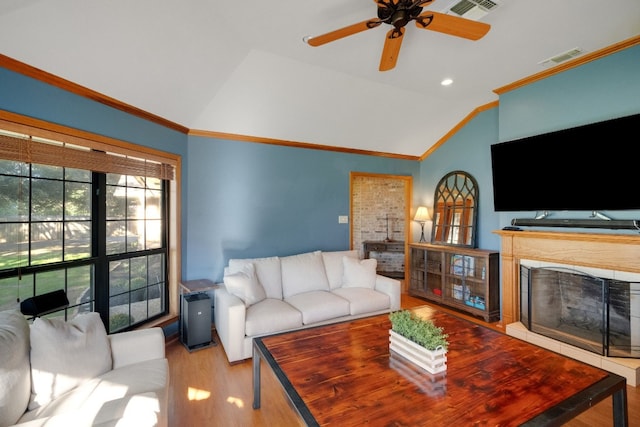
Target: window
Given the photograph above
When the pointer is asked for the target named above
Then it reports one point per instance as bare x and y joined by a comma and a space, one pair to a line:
99, 233
135, 248
45, 224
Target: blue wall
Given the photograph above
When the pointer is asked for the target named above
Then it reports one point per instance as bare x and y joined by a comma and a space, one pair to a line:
596, 91
468, 150
33, 98
255, 200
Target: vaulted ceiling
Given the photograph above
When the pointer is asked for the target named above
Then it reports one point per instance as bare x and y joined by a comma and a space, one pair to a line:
241, 67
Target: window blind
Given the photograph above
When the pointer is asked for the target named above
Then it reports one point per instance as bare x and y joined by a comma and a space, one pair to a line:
50, 148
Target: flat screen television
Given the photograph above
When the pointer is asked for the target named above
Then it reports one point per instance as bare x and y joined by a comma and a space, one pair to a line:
586, 168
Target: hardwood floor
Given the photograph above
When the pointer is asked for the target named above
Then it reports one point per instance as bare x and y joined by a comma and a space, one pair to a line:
205, 390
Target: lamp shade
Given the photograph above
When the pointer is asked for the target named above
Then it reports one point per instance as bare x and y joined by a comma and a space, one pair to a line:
422, 215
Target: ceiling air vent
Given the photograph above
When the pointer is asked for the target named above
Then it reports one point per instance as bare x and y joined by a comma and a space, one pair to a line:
561, 57
472, 9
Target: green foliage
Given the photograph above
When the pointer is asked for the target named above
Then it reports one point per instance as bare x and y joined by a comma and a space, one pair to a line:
421, 331
119, 321
138, 282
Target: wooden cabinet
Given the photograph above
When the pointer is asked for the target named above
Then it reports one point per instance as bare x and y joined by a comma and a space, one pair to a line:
462, 278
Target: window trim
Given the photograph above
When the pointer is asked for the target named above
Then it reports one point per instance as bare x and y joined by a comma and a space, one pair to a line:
42, 129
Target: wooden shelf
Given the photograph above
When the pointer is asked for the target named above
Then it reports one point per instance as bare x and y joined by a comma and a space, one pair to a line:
465, 279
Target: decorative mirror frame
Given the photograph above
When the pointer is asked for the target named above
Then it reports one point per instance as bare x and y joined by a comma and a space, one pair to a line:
455, 210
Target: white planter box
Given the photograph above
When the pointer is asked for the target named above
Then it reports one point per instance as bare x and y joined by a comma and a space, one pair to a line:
432, 361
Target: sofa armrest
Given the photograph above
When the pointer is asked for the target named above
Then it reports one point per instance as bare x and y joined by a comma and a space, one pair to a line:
137, 346
390, 287
230, 316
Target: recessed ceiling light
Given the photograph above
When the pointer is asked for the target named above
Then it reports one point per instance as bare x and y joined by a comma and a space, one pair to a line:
446, 82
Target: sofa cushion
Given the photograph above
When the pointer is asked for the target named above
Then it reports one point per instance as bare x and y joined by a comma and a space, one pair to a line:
66, 354
303, 273
364, 300
15, 372
269, 316
317, 306
359, 273
333, 266
105, 397
268, 273
244, 284
140, 410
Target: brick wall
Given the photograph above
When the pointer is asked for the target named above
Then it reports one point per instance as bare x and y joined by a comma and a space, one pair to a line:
378, 207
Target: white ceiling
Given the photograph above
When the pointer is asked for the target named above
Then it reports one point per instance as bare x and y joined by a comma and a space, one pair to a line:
241, 66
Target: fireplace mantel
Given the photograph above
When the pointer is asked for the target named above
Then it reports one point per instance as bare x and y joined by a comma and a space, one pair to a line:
608, 251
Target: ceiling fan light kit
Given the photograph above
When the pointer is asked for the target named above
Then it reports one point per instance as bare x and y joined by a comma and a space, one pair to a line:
398, 13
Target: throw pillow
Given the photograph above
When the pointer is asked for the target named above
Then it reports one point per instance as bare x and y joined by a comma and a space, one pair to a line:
244, 284
359, 273
15, 372
65, 354
303, 273
267, 271
333, 265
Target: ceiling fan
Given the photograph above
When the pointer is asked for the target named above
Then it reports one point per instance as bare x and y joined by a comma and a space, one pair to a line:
399, 13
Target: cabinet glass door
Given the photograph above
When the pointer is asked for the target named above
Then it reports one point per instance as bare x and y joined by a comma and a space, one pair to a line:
477, 285
434, 274
459, 268
418, 270
466, 280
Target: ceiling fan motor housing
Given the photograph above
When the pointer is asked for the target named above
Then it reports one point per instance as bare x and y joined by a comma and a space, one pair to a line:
400, 18
399, 14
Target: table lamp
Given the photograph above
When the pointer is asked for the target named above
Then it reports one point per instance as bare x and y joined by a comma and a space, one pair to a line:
422, 216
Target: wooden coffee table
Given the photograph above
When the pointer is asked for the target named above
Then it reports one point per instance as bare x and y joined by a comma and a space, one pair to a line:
343, 374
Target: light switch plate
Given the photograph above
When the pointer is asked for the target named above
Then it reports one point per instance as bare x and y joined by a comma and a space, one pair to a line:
343, 219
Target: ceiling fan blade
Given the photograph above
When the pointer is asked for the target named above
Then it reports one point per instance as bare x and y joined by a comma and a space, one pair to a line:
452, 25
344, 32
391, 49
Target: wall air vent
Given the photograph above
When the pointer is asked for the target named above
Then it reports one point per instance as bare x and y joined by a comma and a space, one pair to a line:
562, 57
472, 9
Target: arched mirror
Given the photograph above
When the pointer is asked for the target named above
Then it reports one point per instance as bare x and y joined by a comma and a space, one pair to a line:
455, 210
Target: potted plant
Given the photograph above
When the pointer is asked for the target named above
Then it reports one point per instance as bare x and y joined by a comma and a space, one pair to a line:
418, 340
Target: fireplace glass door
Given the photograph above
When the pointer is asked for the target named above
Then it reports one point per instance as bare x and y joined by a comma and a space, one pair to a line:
587, 312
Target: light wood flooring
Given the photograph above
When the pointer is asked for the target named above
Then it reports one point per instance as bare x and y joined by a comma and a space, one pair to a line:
205, 390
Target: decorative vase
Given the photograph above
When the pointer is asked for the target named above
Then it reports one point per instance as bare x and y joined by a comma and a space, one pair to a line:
433, 361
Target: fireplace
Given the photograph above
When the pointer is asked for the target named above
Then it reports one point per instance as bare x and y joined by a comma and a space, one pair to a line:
577, 308
601, 256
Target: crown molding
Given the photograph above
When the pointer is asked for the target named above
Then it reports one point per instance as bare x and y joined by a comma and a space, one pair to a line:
273, 141
576, 62
53, 80
459, 126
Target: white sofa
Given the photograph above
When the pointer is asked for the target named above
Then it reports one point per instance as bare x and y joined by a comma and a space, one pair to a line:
57, 373
263, 296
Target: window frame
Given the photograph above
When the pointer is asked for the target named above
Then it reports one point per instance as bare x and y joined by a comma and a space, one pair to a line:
42, 129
